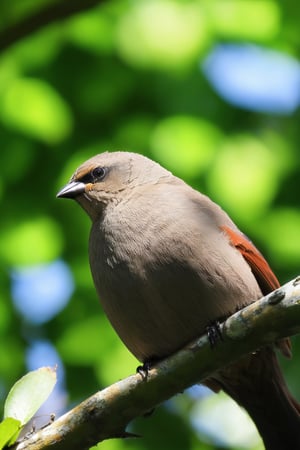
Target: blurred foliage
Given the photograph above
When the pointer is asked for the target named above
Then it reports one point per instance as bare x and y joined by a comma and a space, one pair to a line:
127, 75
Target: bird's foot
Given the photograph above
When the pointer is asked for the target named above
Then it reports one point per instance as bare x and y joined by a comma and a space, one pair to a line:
144, 369
214, 333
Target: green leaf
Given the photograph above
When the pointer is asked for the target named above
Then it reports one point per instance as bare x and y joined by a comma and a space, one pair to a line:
9, 431
235, 19
173, 39
29, 393
34, 107
17, 241
174, 133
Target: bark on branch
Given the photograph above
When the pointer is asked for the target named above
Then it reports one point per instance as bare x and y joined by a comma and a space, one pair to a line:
107, 413
59, 10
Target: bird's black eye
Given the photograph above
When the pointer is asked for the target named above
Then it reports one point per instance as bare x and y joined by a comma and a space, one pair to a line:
94, 176
98, 173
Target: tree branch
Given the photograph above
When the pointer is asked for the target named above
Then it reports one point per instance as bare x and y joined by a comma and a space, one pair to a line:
55, 11
107, 413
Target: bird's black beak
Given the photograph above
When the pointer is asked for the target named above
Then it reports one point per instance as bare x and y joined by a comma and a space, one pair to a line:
71, 190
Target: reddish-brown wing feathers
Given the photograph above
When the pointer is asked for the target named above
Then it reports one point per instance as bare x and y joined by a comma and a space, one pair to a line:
266, 279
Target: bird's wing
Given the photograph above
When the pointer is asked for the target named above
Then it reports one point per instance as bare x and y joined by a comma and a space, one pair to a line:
264, 275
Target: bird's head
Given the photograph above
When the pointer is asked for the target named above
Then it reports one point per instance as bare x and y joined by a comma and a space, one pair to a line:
102, 179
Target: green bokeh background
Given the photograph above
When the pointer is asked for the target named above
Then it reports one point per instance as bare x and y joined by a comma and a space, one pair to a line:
124, 75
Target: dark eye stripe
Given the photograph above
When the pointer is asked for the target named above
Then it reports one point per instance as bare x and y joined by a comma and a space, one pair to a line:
94, 175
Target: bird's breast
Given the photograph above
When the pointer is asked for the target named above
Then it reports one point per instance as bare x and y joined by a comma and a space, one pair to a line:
160, 288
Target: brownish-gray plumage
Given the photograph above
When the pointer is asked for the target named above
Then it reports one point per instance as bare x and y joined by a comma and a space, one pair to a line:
167, 261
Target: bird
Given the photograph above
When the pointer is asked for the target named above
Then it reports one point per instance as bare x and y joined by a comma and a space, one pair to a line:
166, 262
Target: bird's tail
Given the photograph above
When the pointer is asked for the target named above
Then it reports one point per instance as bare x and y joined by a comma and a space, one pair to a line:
257, 384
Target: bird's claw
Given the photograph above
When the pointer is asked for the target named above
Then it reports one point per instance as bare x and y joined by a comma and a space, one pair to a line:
214, 333
144, 370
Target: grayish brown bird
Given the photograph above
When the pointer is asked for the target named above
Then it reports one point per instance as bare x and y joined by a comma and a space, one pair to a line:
166, 262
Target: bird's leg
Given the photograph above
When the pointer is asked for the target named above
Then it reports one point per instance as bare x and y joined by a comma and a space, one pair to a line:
144, 369
214, 333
